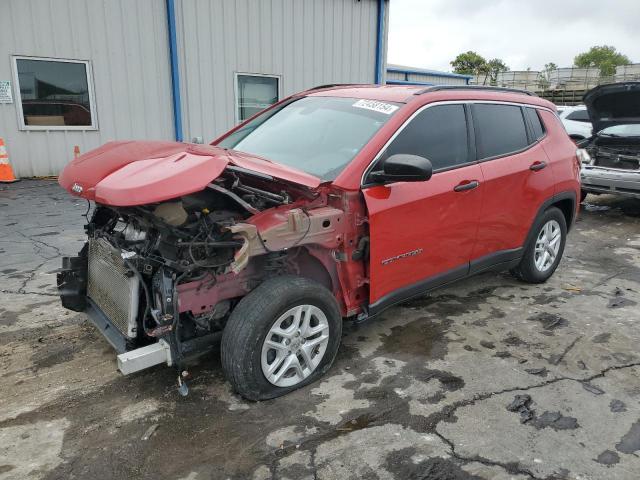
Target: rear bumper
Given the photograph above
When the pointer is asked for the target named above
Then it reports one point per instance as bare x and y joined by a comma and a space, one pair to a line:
605, 180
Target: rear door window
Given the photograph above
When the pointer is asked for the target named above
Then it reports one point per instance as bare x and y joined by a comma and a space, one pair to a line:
438, 133
499, 129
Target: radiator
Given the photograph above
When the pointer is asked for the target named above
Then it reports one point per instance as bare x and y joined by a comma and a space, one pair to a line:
112, 287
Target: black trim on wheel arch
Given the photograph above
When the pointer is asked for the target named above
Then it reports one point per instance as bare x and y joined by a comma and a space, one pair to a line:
528, 271
566, 195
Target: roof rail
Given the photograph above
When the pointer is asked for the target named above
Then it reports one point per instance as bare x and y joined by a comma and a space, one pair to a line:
436, 88
330, 85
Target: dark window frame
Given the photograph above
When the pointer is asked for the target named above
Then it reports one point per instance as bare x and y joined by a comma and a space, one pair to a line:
530, 128
18, 96
471, 148
471, 134
526, 125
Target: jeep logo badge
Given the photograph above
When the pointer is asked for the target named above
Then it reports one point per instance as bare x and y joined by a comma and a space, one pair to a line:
77, 188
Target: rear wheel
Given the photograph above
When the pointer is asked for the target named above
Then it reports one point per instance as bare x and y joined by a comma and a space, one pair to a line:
281, 336
543, 253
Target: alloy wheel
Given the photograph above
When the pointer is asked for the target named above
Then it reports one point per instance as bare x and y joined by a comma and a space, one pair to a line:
295, 345
547, 245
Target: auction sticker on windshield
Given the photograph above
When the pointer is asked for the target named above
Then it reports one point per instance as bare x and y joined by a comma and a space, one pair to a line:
376, 106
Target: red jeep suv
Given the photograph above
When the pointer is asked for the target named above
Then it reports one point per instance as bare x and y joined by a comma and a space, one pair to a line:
337, 202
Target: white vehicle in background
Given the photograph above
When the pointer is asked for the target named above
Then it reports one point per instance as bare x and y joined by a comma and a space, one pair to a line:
576, 121
611, 157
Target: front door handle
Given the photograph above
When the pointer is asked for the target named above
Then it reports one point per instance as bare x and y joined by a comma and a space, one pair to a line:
463, 187
535, 166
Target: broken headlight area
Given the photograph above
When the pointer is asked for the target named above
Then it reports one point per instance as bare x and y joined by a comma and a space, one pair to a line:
168, 271
622, 157
160, 280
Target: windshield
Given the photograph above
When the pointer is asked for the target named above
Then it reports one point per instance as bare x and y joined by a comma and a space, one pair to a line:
318, 135
628, 130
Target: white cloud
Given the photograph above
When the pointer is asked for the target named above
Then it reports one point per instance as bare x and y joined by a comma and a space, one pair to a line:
430, 33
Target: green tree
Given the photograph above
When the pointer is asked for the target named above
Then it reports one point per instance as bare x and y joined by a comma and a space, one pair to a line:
493, 67
604, 57
472, 63
469, 63
544, 79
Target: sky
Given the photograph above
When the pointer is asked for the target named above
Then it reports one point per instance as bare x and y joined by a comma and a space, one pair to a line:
524, 34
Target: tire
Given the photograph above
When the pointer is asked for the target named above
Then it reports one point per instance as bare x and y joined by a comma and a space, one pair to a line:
528, 270
275, 303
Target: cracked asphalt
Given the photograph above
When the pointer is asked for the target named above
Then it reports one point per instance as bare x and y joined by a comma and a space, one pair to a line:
487, 379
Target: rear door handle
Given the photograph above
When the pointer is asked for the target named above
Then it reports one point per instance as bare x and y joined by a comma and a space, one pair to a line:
463, 187
535, 166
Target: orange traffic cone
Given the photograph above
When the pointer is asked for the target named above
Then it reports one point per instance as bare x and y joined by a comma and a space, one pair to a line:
6, 172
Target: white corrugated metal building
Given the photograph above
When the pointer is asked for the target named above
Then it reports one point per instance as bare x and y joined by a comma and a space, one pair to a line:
84, 72
403, 75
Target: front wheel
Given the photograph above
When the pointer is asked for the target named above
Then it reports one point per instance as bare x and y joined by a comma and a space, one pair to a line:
544, 251
283, 335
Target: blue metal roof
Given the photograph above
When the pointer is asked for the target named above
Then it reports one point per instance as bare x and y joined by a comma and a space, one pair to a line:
422, 71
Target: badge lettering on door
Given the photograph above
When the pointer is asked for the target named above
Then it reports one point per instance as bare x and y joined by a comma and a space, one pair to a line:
412, 253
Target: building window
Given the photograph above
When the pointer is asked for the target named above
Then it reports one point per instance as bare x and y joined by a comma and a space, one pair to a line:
54, 94
254, 93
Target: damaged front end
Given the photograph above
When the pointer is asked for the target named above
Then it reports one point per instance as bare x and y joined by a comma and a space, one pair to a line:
611, 157
159, 280
613, 165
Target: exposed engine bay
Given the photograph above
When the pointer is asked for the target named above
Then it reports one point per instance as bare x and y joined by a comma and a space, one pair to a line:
612, 165
612, 161
609, 153
167, 275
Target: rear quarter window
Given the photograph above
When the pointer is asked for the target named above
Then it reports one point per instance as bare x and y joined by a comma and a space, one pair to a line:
537, 128
500, 129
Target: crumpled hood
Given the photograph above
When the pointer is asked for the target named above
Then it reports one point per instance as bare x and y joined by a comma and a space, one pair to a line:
613, 104
141, 172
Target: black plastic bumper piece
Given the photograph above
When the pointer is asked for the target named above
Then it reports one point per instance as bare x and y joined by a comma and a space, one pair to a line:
117, 340
72, 287
72, 281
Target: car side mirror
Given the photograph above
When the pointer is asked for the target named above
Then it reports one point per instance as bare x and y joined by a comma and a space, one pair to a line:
403, 168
